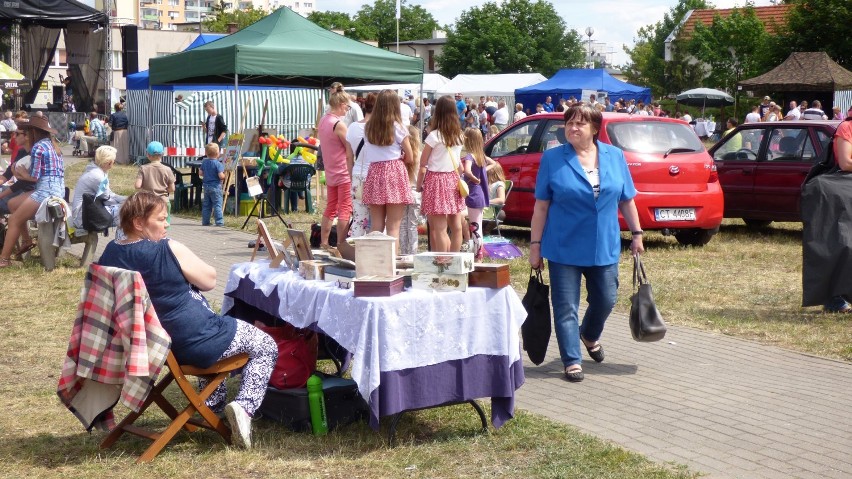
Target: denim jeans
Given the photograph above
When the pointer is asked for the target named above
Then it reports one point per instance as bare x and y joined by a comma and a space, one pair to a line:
212, 202
602, 289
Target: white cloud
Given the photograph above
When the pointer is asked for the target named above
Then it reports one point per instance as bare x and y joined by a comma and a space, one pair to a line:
615, 22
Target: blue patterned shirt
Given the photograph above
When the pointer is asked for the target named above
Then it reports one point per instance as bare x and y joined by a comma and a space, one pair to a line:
46, 161
98, 131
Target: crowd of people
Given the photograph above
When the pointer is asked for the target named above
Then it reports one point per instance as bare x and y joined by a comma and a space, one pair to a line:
768, 110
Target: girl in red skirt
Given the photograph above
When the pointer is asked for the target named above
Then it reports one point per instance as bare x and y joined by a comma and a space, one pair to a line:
386, 150
439, 177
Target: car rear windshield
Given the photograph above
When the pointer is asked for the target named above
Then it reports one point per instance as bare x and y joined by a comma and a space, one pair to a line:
653, 137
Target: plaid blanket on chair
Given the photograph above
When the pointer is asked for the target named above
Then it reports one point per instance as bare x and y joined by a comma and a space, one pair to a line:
117, 347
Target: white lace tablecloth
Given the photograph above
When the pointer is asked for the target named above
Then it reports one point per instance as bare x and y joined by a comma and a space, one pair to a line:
411, 329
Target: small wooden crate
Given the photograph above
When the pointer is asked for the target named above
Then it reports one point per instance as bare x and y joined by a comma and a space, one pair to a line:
378, 286
489, 275
313, 269
375, 255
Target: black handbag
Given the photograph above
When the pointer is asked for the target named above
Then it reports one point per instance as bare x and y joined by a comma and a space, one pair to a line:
96, 217
536, 329
646, 324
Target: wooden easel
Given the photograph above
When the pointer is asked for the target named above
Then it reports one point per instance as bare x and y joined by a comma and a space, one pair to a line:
235, 141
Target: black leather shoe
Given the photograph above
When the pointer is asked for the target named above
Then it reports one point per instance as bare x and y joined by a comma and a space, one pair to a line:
574, 376
596, 353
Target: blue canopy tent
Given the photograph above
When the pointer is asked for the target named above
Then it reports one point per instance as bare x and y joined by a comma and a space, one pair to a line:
577, 82
139, 81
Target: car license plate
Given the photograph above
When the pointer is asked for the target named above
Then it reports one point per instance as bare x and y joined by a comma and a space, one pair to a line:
674, 214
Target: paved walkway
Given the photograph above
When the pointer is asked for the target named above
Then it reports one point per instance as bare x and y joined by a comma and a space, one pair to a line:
726, 407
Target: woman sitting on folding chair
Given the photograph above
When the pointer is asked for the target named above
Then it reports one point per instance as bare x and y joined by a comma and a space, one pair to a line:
174, 276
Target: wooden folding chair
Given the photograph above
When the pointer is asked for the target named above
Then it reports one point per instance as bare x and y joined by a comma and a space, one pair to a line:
180, 420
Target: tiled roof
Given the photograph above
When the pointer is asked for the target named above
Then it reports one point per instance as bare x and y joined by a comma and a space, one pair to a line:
774, 17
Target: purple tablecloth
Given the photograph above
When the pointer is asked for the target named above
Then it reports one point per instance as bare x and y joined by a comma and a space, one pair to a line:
460, 379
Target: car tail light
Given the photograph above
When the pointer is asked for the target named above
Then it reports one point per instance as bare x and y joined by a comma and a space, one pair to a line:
714, 174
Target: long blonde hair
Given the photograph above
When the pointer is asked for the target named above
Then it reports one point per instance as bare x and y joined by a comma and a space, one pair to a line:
416, 147
473, 144
445, 119
379, 129
495, 173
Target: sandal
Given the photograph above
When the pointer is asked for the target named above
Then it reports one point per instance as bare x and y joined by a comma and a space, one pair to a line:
20, 254
5, 263
574, 375
595, 351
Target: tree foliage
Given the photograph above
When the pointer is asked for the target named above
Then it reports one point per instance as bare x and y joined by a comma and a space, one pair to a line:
728, 46
378, 22
221, 17
516, 36
817, 25
648, 66
333, 21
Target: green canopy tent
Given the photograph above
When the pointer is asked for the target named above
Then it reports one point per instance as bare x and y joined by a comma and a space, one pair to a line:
286, 49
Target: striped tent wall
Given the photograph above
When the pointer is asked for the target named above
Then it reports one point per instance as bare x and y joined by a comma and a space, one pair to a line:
178, 123
843, 99
137, 115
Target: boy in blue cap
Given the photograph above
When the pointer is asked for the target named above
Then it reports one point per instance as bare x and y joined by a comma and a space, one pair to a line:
155, 176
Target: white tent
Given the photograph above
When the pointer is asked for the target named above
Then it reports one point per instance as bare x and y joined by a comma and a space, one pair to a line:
500, 85
431, 82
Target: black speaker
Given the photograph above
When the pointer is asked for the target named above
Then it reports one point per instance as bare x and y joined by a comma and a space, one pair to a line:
129, 50
58, 93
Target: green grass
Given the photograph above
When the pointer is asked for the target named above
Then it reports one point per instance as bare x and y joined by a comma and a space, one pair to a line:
40, 438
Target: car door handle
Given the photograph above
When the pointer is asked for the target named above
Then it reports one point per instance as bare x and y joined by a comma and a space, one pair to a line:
514, 170
748, 171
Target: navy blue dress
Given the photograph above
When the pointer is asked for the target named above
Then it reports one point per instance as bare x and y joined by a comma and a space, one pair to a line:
199, 335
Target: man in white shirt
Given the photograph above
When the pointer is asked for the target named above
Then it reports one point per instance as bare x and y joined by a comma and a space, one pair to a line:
794, 113
754, 116
501, 116
490, 102
687, 117
406, 112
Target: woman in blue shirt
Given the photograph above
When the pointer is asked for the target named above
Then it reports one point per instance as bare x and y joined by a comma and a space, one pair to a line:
580, 188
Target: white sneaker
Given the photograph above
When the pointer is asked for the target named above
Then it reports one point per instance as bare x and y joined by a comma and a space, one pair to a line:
240, 423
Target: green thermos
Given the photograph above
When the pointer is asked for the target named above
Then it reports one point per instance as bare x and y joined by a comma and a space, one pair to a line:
316, 404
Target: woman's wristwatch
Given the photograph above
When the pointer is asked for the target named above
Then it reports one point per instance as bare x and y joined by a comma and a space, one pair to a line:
637, 233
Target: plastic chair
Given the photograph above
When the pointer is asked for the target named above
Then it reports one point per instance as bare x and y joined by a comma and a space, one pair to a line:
300, 182
183, 191
492, 213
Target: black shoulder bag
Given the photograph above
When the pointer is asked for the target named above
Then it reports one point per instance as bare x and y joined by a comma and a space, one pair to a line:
646, 324
96, 217
536, 329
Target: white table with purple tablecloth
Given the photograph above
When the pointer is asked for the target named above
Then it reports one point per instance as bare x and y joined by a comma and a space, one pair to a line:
414, 350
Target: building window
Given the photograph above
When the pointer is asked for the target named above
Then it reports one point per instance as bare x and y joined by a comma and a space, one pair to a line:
309, 5
431, 60
60, 58
115, 57
174, 3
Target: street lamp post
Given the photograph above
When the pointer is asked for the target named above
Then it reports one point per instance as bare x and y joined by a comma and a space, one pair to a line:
589, 32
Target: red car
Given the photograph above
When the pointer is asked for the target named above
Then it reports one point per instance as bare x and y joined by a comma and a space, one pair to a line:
762, 166
678, 188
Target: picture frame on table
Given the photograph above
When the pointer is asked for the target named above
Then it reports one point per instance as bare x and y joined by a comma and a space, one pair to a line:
300, 245
276, 257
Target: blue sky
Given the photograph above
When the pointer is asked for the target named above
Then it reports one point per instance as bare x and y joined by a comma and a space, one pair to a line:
615, 21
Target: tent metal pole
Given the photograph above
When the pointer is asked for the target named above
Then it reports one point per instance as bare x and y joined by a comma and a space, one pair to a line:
149, 131
238, 161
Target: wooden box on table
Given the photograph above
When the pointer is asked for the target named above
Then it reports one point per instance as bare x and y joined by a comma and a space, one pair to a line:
439, 263
378, 286
313, 269
375, 255
488, 275
439, 281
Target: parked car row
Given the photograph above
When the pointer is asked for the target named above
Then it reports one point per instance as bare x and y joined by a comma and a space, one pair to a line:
754, 173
